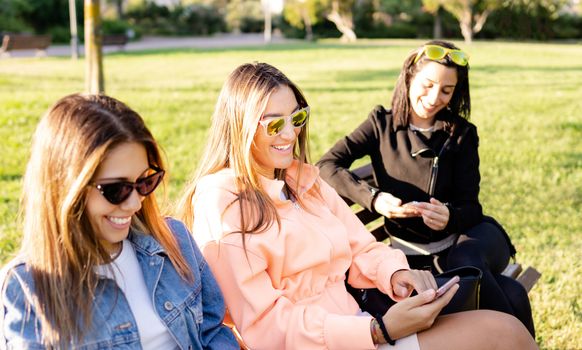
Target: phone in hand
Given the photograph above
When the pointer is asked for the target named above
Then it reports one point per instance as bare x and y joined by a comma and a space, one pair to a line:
445, 287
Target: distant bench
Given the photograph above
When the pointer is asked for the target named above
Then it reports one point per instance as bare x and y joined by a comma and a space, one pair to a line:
115, 40
527, 277
11, 42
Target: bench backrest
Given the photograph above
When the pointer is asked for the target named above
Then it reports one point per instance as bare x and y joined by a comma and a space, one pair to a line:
25, 42
114, 39
366, 217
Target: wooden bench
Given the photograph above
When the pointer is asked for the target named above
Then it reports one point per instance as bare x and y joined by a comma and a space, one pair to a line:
527, 277
11, 42
119, 40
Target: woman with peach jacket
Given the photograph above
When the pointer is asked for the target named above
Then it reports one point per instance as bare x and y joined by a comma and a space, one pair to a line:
279, 240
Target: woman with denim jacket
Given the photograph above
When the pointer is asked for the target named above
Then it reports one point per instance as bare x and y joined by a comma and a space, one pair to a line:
99, 267
424, 153
280, 240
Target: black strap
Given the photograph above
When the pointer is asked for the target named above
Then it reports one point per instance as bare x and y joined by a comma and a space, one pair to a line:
385, 331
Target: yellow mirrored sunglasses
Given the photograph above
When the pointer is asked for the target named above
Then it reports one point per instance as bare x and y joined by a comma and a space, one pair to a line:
435, 52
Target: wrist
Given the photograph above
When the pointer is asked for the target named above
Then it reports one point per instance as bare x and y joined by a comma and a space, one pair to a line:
387, 337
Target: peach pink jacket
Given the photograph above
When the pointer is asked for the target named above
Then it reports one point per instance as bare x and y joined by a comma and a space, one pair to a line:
287, 291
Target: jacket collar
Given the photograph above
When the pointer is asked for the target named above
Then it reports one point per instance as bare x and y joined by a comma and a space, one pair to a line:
441, 118
417, 144
145, 242
301, 180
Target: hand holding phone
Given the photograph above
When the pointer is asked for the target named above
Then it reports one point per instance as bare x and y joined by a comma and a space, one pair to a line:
443, 289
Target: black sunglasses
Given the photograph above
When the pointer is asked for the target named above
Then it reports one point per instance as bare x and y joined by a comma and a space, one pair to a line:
117, 192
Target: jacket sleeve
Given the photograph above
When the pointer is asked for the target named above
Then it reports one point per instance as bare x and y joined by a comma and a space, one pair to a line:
213, 333
264, 316
335, 164
373, 262
19, 326
465, 209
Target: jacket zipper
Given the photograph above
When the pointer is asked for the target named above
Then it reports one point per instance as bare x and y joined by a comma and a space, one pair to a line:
435, 167
433, 175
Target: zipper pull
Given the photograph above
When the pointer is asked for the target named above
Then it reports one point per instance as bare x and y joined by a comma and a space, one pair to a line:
433, 176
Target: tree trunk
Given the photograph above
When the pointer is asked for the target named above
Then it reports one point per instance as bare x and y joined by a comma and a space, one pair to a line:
119, 7
343, 24
466, 25
268, 24
467, 33
94, 83
480, 20
437, 30
74, 33
307, 23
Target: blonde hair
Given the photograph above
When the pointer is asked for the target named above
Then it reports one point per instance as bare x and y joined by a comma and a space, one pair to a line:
59, 244
241, 103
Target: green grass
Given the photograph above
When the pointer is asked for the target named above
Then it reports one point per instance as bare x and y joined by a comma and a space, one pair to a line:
526, 104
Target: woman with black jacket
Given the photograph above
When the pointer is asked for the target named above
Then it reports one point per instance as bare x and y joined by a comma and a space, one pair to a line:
424, 153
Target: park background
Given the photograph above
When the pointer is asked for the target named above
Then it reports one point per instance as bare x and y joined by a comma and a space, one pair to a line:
525, 100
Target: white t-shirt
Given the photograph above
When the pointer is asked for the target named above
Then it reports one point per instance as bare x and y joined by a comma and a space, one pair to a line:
129, 277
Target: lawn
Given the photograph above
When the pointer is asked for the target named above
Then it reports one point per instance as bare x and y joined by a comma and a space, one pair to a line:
526, 104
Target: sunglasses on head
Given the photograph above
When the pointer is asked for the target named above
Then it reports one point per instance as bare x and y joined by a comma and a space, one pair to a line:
118, 192
435, 53
274, 126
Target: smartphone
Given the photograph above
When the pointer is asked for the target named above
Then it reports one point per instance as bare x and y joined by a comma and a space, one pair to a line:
443, 289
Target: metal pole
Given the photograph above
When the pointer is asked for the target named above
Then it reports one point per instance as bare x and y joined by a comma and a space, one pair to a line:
94, 83
268, 25
74, 35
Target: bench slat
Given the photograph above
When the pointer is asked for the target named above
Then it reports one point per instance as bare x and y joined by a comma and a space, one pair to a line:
366, 216
379, 233
529, 278
114, 39
512, 270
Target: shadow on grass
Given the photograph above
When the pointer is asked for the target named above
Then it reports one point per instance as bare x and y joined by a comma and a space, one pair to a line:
575, 127
276, 47
365, 75
570, 160
10, 177
513, 68
343, 89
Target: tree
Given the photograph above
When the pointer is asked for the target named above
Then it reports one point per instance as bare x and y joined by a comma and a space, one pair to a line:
94, 83
307, 13
119, 8
341, 16
301, 14
434, 7
471, 14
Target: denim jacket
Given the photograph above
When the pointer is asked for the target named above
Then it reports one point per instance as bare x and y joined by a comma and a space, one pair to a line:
192, 312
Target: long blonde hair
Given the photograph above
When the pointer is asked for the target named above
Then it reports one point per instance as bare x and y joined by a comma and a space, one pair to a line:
59, 244
241, 103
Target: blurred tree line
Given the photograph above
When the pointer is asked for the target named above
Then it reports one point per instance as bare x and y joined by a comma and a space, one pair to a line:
310, 19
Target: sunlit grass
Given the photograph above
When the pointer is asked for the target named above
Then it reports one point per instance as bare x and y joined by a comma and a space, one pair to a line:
526, 104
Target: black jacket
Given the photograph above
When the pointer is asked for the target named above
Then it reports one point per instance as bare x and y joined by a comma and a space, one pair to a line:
413, 167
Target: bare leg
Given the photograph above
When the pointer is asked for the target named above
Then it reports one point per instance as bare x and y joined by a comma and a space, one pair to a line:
482, 329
